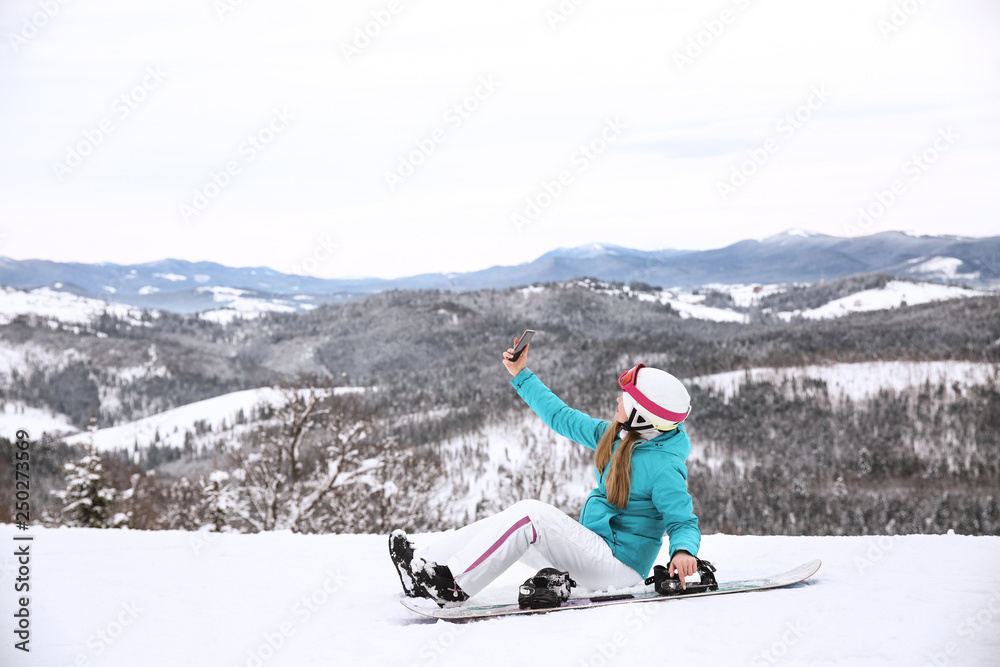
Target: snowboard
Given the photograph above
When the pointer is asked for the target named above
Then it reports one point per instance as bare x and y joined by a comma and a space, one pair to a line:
798, 575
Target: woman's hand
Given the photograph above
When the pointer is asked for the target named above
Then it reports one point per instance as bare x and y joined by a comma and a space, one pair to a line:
684, 564
515, 367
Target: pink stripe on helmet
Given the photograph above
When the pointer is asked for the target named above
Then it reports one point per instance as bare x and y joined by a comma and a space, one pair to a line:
653, 408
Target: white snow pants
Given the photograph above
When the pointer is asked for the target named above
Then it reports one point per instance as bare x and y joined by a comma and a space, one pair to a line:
535, 533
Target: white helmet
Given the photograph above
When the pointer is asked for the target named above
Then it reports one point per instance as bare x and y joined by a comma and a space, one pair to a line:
653, 399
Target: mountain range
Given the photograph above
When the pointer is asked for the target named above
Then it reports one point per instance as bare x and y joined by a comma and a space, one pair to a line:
794, 256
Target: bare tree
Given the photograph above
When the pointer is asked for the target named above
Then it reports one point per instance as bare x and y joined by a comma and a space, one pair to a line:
313, 442
542, 476
407, 491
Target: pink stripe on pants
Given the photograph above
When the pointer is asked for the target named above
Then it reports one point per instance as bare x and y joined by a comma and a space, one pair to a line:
503, 538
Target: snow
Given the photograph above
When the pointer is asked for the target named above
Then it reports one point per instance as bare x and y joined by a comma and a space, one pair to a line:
133, 373
25, 358
221, 316
149, 369
745, 296
173, 277
944, 268
123, 598
861, 380
239, 305
60, 306
171, 425
508, 445
15, 416
893, 295
687, 306
223, 294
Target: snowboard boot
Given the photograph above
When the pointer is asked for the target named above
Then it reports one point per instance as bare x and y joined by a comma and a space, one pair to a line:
401, 553
548, 588
437, 583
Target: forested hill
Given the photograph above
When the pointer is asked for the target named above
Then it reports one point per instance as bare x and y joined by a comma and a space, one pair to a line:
436, 347
903, 447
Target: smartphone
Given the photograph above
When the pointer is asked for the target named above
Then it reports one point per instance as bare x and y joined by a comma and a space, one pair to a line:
522, 343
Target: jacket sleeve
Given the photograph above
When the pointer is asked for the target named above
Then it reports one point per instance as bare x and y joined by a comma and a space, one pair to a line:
564, 420
674, 503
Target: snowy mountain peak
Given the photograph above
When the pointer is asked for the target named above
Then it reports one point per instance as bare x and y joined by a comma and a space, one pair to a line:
588, 251
794, 232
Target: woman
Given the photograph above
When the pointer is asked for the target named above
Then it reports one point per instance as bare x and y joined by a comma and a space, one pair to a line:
641, 493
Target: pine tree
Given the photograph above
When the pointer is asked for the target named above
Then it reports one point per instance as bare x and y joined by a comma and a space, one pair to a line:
221, 501
88, 500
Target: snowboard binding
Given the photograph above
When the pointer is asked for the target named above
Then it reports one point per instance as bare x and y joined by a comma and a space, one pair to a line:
667, 585
547, 589
438, 583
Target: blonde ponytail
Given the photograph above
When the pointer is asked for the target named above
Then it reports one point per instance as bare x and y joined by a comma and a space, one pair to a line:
618, 482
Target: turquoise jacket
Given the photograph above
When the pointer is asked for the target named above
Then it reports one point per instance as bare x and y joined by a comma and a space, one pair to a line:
658, 500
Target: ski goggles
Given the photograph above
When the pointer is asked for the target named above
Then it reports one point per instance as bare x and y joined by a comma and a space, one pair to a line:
627, 382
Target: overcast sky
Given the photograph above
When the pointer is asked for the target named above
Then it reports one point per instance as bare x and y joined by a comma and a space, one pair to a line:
458, 135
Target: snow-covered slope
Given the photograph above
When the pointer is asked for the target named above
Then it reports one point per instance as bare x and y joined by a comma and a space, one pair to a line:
689, 303
244, 304
862, 380
896, 293
60, 306
689, 306
15, 416
162, 599
216, 414
939, 268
